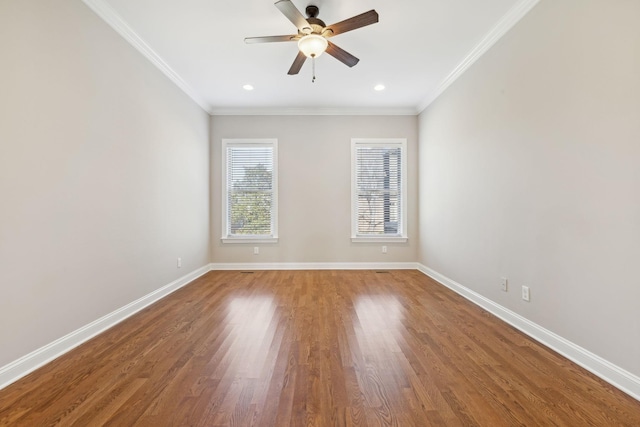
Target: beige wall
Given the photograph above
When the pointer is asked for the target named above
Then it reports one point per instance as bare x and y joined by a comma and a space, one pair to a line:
314, 187
530, 169
104, 168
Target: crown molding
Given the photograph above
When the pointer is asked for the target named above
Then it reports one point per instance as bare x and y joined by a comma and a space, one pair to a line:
115, 21
309, 111
512, 17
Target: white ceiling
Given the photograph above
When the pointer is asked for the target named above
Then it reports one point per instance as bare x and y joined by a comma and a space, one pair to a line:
416, 50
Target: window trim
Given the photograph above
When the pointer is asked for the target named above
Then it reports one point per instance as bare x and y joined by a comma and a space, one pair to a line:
379, 142
247, 142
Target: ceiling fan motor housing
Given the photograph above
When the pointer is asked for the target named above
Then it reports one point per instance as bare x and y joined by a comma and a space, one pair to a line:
312, 11
317, 25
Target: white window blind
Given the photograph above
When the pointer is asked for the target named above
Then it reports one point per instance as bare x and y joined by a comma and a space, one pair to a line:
379, 175
250, 189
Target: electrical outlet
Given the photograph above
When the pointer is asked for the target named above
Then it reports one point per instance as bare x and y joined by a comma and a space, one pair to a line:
256, 250
525, 293
179, 263
504, 284
384, 249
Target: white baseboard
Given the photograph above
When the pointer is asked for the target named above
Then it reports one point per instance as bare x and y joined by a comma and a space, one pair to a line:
37, 358
316, 266
614, 375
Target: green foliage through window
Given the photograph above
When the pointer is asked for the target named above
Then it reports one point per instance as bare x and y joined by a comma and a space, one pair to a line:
250, 201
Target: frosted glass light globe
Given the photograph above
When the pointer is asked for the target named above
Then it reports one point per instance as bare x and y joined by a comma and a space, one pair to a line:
312, 45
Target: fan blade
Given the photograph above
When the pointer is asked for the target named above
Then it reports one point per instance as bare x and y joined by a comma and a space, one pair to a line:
342, 55
269, 39
352, 23
289, 10
297, 64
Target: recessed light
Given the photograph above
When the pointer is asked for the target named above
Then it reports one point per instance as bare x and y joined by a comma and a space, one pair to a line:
247, 87
378, 87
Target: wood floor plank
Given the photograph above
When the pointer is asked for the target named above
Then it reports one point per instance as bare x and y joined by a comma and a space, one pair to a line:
313, 348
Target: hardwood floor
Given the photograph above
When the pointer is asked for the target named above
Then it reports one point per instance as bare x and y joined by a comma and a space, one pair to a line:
313, 348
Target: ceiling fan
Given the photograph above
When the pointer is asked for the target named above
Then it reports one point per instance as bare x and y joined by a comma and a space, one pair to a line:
313, 34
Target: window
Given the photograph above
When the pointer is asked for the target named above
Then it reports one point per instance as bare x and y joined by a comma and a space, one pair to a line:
250, 196
378, 190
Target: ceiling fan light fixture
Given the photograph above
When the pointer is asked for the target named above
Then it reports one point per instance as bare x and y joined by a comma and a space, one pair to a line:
312, 45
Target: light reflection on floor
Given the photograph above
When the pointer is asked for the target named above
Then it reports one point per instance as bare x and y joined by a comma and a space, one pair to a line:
378, 312
252, 320
378, 325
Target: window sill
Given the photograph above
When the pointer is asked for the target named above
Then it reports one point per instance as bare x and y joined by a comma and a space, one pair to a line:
381, 239
249, 239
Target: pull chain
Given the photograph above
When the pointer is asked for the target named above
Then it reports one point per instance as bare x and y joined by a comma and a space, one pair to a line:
313, 67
